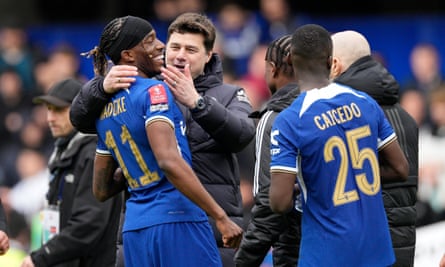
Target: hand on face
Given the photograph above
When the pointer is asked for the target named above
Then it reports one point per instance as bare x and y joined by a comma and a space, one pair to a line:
181, 85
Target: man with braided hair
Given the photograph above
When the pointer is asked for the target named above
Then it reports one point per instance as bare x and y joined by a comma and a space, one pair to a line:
216, 114
330, 140
142, 130
267, 229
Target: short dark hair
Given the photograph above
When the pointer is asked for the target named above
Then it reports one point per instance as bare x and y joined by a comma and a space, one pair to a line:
191, 22
278, 51
311, 48
312, 41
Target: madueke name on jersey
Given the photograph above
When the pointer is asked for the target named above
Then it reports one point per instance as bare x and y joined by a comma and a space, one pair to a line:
114, 108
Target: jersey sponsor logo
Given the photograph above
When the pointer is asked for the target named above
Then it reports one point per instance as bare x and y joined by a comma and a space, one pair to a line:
241, 96
158, 94
158, 107
274, 142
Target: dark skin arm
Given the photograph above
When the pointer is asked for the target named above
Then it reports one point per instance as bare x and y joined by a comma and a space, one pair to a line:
107, 179
395, 166
281, 191
282, 183
164, 145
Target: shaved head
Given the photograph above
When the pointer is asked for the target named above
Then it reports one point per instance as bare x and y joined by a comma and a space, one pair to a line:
348, 46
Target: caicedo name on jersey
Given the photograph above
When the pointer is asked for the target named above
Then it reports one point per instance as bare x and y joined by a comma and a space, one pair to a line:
336, 116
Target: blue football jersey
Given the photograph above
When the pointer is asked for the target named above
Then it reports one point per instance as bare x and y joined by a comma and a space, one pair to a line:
121, 130
329, 138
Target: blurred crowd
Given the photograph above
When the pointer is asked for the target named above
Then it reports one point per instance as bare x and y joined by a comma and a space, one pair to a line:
242, 39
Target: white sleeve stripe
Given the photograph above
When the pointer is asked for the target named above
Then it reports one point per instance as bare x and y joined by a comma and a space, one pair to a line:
258, 149
156, 118
387, 140
286, 169
103, 152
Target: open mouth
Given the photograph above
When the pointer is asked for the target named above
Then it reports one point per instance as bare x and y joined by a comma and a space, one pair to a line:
180, 67
159, 58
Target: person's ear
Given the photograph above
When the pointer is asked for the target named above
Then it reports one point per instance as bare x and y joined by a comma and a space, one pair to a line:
127, 56
209, 56
273, 68
336, 67
288, 59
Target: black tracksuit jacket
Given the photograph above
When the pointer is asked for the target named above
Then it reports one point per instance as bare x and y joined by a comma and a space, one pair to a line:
268, 229
88, 228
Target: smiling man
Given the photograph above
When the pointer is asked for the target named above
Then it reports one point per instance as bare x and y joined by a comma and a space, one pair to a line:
215, 113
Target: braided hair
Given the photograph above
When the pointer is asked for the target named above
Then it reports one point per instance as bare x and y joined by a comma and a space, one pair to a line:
278, 51
109, 35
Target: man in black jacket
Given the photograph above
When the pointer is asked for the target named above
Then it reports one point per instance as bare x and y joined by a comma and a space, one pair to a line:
267, 229
78, 230
216, 114
354, 66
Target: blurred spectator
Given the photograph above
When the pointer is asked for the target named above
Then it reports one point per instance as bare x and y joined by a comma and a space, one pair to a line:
437, 110
15, 53
33, 183
165, 11
35, 137
19, 235
426, 74
253, 81
277, 19
431, 194
15, 109
239, 34
415, 104
61, 63
425, 67
197, 6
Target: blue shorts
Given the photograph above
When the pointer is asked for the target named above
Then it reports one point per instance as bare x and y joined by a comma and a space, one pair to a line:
182, 244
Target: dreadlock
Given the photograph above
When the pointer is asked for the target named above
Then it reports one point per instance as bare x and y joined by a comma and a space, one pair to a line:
109, 35
119, 34
277, 53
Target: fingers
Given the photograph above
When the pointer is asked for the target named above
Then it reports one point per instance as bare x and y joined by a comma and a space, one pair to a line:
171, 73
187, 71
170, 78
119, 77
232, 242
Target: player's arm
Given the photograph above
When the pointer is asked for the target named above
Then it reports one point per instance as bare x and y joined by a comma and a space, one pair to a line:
281, 191
164, 145
107, 179
92, 98
395, 167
